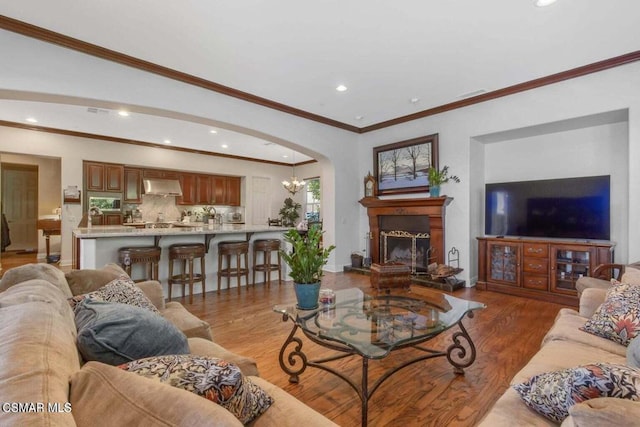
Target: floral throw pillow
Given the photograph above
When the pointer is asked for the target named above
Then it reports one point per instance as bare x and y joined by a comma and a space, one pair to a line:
212, 378
121, 290
618, 317
552, 394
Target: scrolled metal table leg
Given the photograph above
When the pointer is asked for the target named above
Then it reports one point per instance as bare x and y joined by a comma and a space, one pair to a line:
289, 362
462, 350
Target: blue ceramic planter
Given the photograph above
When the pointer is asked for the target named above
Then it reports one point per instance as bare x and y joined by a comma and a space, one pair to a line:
434, 191
307, 295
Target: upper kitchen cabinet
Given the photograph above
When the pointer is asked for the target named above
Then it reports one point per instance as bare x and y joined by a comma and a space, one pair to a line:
225, 190
132, 192
203, 190
188, 183
161, 174
103, 176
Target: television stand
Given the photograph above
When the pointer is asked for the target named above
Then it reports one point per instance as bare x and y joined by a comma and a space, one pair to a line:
539, 268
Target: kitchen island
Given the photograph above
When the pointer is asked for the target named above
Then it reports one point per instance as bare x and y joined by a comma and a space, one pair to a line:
96, 246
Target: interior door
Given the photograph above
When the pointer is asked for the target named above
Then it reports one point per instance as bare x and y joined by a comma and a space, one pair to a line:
20, 205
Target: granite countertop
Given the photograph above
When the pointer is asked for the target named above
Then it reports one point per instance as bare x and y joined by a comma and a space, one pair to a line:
98, 231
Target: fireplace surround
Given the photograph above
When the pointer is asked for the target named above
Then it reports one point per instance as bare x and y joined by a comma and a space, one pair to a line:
433, 208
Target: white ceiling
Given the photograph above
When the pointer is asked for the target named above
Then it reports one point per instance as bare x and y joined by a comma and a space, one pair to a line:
295, 53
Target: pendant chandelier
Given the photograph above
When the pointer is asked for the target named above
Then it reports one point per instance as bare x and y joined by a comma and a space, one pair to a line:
293, 186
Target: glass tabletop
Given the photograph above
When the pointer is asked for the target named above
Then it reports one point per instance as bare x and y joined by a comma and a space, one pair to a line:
375, 324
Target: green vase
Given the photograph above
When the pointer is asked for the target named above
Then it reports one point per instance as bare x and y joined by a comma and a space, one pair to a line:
307, 295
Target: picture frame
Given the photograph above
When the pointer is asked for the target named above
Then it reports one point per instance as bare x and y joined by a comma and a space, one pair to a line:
402, 167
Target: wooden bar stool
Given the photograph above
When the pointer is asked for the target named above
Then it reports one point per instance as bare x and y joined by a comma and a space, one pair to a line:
266, 247
225, 251
148, 255
186, 253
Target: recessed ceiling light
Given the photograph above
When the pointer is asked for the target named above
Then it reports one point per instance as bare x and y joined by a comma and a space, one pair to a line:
543, 3
224, 146
213, 131
359, 117
123, 113
167, 141
414, 100
284, 156
31, 120
341, 88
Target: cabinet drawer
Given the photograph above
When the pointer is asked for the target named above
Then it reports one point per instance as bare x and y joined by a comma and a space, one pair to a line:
536, 250
535, 265
532, 281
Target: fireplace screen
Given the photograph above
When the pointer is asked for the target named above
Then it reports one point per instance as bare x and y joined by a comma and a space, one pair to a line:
412, 249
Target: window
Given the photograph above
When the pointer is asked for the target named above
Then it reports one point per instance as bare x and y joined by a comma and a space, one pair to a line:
312, 200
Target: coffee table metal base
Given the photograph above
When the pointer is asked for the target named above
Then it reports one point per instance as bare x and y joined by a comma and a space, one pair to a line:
461, 354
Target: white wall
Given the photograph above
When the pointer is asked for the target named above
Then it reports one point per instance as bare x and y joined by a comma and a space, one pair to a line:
460, 131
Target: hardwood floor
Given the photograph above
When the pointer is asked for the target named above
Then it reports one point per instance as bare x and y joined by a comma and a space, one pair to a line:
506, 334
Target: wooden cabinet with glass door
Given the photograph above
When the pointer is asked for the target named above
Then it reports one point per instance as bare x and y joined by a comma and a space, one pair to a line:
569, 263
504, 263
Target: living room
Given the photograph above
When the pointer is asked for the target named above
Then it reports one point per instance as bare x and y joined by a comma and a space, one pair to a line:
582, 126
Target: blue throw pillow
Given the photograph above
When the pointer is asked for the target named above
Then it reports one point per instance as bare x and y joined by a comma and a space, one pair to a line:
633, 353
115, 333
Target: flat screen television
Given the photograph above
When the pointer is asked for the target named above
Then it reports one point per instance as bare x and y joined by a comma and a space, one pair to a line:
576, 208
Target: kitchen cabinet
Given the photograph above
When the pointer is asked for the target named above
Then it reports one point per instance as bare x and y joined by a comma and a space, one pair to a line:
132, 192
225, 190
107, 219
544, 269
160, 174
188, 185
103, 176
203, 190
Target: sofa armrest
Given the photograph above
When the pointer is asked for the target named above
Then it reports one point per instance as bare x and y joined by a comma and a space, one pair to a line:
605, 411
153, 290
190, 325
590, 301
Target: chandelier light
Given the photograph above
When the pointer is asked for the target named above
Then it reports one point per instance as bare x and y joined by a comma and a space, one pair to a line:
294, 185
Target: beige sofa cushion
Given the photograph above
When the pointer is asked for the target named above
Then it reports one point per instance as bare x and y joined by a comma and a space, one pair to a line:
26, 272
85, 281
192, 326
591, 300
286, 410
38, 354
203, 347
566, 328
153, 290
103, 395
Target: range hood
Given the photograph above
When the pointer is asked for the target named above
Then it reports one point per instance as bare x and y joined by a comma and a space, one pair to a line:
162, 187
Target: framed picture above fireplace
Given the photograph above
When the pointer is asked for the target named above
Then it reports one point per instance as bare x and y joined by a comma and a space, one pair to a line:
402, 167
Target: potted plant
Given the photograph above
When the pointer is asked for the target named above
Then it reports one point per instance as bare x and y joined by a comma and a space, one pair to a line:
305, 260
437, 177
289, 212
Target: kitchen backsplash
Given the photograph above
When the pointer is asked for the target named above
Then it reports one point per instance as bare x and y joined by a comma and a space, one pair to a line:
154, 206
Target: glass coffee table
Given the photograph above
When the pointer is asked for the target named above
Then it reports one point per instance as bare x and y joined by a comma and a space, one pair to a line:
372, 326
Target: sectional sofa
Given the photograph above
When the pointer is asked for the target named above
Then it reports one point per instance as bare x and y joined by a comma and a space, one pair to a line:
572, 362
45, 381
